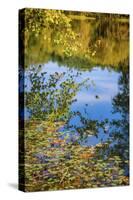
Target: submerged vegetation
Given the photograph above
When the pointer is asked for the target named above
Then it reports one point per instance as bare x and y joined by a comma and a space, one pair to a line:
67, 166
56, 154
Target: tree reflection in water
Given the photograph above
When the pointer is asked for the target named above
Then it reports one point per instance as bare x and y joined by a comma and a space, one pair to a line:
56, 154
64, 162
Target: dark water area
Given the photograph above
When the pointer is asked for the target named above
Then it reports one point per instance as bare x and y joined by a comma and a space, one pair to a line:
76, 84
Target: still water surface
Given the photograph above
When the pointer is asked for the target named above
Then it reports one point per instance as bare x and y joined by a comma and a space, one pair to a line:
76, 77
94, 102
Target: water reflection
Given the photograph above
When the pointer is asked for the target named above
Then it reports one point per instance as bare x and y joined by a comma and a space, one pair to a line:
76, 101
90, 101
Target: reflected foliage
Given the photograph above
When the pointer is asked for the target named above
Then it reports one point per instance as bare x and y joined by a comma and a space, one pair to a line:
52, 161
50, 97
80, 41
56, 155
121, 133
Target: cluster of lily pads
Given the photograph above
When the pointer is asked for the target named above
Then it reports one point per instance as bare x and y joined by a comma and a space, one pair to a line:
51, 163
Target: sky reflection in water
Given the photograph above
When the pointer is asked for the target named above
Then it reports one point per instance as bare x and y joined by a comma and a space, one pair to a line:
97, 100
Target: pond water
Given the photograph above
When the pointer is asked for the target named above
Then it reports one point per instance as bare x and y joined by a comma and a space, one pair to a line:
94, 102
76, 113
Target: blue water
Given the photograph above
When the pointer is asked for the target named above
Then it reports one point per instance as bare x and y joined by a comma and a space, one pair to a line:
96, 100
